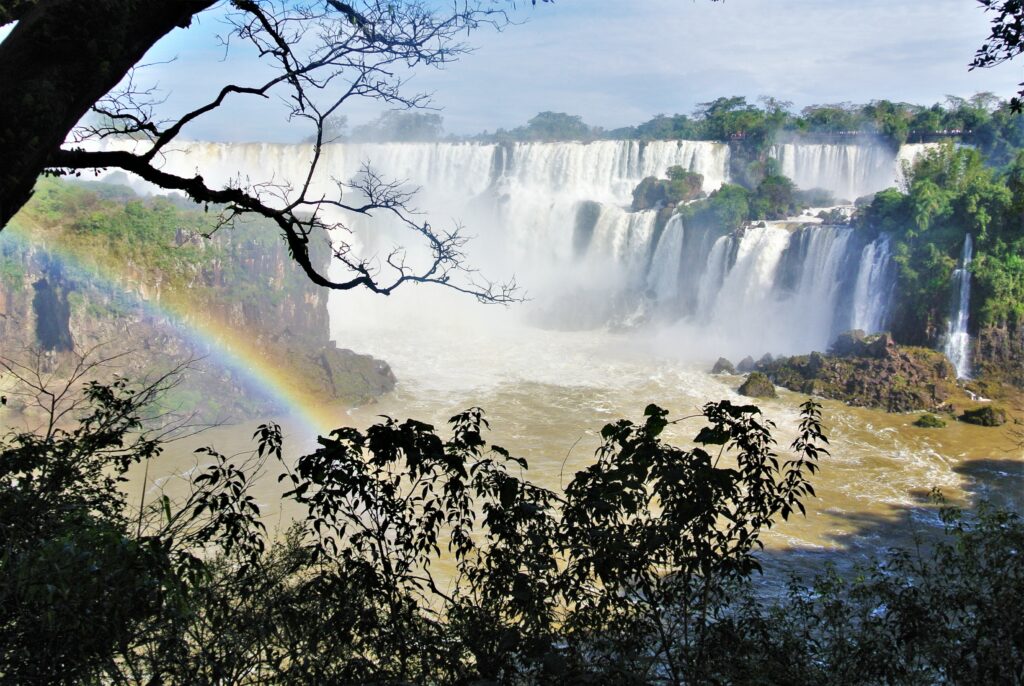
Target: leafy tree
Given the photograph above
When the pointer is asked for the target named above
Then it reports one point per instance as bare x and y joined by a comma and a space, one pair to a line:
551, 126
350, 594
1006, 39
951, 192
724, 209
775, 198
401, 126
680, 186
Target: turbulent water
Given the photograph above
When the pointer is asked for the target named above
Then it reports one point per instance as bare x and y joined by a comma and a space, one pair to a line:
623, 312
556, 215
958, 340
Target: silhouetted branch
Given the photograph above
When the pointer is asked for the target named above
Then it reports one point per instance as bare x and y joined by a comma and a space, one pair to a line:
323, 53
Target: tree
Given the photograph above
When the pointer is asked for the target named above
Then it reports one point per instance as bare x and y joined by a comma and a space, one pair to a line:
640, 550
401, 126
1005, 41
64, 58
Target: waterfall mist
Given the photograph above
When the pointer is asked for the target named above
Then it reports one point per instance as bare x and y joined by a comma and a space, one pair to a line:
556, 215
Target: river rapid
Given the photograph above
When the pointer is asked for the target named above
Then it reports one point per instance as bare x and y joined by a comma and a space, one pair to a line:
547, 393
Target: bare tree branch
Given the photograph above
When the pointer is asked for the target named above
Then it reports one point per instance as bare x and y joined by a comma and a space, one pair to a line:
323, 53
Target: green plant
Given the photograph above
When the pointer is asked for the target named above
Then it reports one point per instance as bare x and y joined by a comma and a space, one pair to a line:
929, 421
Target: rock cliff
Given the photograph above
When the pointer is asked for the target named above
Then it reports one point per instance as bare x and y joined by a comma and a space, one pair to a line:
869, 372
235, 302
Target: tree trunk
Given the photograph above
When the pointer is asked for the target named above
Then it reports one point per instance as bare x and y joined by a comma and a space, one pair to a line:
61, 57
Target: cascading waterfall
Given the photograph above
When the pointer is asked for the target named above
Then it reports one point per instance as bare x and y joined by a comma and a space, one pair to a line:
958, 341
771, 288
876, 279
663, 276
556, 214
847, 170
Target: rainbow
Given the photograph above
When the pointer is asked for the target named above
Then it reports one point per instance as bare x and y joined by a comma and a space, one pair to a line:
230, 349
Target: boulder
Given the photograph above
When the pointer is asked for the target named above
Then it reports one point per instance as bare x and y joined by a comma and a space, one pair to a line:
847, 344
990, 415
929, 421
723, 366
881, 347
757, 385
766, 360
746, 365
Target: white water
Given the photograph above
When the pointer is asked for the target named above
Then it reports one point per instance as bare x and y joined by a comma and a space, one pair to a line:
556, 216
848, 170
876, 279
958, 341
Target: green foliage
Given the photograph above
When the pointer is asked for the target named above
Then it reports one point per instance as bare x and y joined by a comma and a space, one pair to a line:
944, 612
929, 421
950, 192
680, 186
550, 126
727, 208
167, 241
982, 121
545, 584
638, 573
724, 210
75, 581
775, 198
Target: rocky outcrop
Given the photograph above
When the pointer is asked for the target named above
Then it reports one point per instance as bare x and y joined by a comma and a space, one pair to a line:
929, 421
758, 385
236, 303
869, 372
998, 354
723, 366
988, 415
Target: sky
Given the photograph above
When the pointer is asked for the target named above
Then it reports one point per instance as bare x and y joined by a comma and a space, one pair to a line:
620, 62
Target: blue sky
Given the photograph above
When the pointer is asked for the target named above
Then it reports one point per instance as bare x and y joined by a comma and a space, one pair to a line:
619, 62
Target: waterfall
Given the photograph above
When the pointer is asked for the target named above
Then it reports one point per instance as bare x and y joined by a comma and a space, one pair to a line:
773, 289
873, 290
849, 171
556, 215
958, 341
663, 276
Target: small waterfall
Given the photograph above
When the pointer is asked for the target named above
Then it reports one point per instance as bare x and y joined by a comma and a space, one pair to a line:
958, 341
663, 276
872, 292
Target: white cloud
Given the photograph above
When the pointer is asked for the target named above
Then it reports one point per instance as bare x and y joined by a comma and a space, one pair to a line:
618, 63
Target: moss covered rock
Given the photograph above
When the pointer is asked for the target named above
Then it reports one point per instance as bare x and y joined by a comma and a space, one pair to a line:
757, 385
989, 415
929, 421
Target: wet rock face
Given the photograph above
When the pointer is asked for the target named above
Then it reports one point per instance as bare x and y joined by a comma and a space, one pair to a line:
869, 372
252, 289
53, 316
758, 385
999, 354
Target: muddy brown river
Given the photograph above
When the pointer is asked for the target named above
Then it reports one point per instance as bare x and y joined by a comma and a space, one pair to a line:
548, 393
